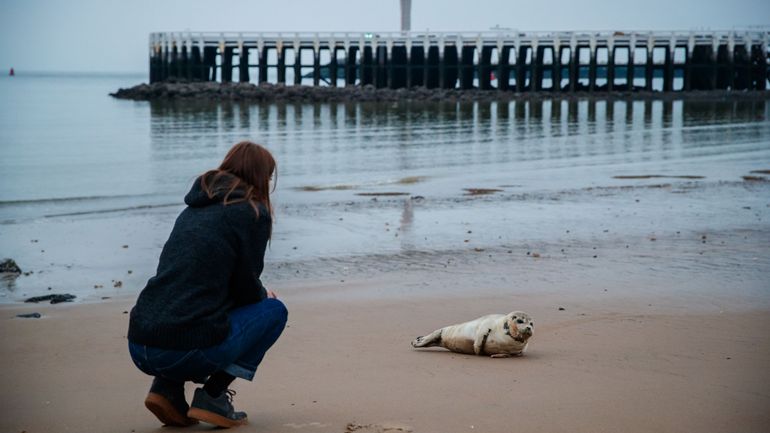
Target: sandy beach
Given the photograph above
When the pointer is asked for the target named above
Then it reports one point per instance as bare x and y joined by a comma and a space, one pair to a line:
621, 349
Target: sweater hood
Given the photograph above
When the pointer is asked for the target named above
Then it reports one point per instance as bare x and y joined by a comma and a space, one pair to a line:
198, 198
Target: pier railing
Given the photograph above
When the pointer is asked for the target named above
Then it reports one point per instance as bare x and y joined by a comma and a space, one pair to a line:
504, 60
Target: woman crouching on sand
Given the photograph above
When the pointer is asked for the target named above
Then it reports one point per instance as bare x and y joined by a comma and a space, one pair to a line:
205, 316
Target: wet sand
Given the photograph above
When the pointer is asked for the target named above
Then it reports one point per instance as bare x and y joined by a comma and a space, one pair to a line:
632, 350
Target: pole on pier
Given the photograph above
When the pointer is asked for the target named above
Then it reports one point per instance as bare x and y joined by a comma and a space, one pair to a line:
154, 63
466, 66
759, 66
196, 63
281, 63
649, 70
425, 61
538, 65
333, 64
485, 61
441, 65
297, 65
592, 67
574, 66
556, 68
184, 63
350, 66
503, 69
367, 60
742, 66
521, 68
227, 64
165, 57
389, 61
209, 69
381, 66
668, 72
263, 67
317, 66
610, 65
408, 65
630, 66
243, 63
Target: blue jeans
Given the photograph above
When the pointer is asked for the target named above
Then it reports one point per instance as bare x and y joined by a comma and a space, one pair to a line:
253, 330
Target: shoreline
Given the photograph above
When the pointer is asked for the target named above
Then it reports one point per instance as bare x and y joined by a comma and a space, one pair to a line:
267, 92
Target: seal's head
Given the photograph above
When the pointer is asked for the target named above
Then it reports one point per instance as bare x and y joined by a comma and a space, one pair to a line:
519, 326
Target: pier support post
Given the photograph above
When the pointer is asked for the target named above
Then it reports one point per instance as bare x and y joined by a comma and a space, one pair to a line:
196, 64
398, 75
210, 63
367, 59
466, 67
536, 66
155, 65
381, 66
556, 69
263, 67
574, 67
297, 66
759, 66
485, 61
184, 64
317, 67
610, 67
281, 64
174, 62
521, 69
668, 72
350, 66
390, 57
333, 65
503, 69
649, 70
431, 69
630, 68
227, 65
742, 66
243, 64
592, 69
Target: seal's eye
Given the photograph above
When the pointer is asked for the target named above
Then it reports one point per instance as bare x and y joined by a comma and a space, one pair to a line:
531, 324
520, 321
514, 317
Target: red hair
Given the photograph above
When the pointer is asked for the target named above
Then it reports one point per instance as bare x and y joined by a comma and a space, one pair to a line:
247, 167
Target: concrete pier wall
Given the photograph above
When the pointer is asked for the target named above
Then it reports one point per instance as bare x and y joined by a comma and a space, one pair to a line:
506, 61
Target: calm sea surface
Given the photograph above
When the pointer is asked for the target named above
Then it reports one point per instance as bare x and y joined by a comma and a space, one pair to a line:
75, 160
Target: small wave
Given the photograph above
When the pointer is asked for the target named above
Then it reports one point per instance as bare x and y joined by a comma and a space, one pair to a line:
120, 209
70, 199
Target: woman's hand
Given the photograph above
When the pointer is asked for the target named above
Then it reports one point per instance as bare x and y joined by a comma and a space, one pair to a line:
271, 294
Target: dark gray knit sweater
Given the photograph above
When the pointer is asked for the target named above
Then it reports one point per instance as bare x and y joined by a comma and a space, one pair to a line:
210, 264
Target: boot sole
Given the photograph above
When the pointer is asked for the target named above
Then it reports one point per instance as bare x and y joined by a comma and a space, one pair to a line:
165, 411
212, 418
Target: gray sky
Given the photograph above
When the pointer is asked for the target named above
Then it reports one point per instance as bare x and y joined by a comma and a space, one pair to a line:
111, 35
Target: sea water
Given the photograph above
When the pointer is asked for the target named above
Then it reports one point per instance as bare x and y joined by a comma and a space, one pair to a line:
89, 183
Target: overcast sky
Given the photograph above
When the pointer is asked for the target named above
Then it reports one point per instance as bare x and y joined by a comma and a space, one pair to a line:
111, 35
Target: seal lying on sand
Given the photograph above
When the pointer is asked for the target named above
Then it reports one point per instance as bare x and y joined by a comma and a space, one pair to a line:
496, 335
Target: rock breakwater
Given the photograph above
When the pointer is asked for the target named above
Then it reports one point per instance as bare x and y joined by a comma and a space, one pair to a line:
266, 92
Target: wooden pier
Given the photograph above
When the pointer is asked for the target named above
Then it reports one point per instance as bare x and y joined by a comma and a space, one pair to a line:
504, 60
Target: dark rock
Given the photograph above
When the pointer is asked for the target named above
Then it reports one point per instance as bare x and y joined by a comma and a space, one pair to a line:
9, 266
55, 299
561, 308
29, 315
